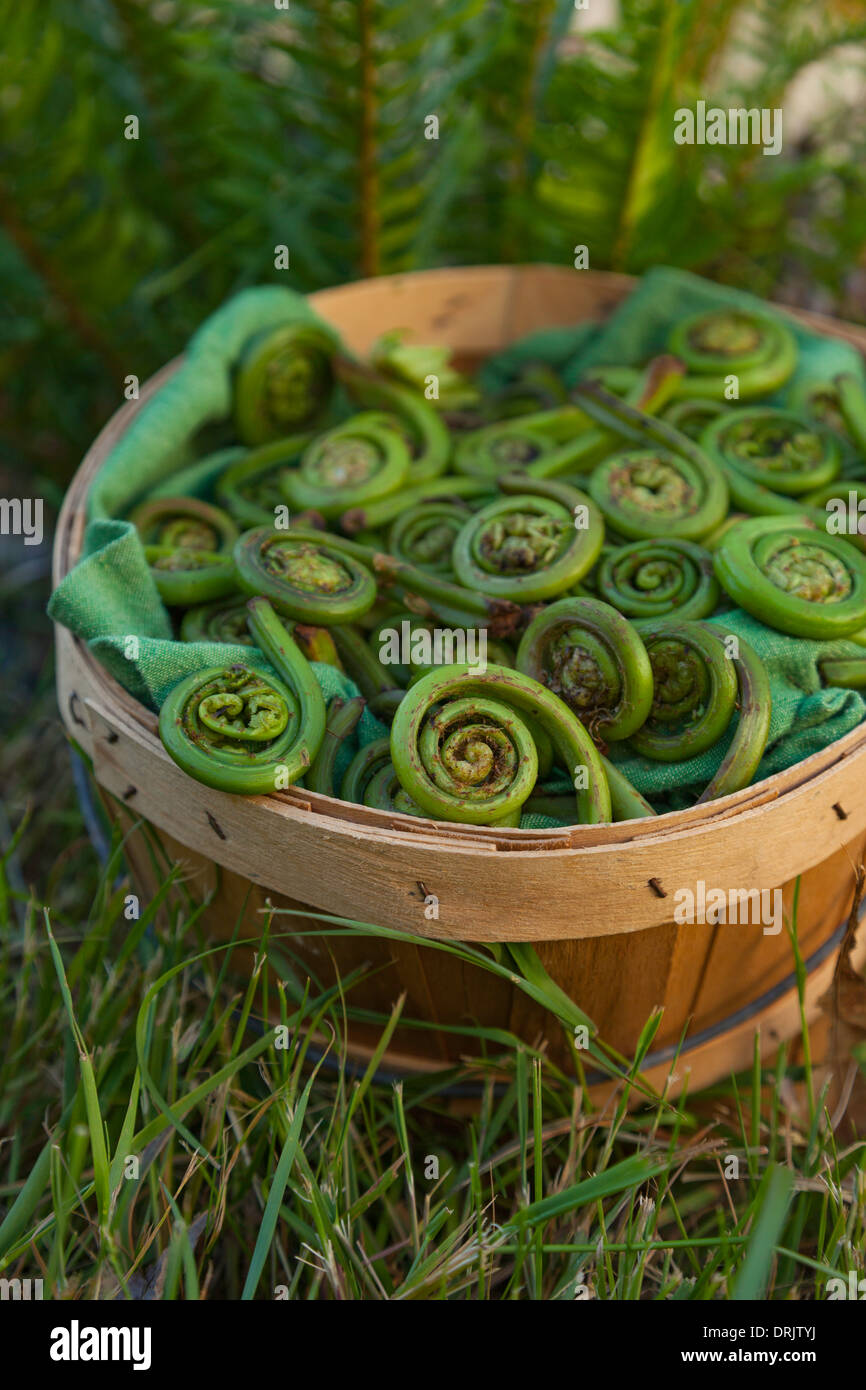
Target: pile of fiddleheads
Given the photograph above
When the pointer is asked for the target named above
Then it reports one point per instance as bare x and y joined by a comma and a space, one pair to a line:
517, 582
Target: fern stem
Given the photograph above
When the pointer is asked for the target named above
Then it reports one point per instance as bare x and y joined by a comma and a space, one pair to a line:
368, 173
524, 129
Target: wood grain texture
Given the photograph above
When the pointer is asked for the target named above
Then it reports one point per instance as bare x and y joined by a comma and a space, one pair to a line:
617, 980
597, 900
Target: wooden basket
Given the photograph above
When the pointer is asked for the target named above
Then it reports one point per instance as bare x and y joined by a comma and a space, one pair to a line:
597, 902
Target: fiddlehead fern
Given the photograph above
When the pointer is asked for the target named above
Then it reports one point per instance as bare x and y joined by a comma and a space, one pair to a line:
342, 720
537, 387
370, 780
667, 488
239, 731
413, 365
408, 645
647, 391
250, 488
848, 673
691, 416
383, 791
426, 434
820, 402
650, 579
480, 760
187, 545
360, 461
426, 594
552, 439
307, 579
381, 513
840, 509
185, 577
697, 689
773, 448
222, 621
563, 441
282, 652
379, 685
627, 803
795, 579
759, 350
648, 493
317, 644
753, 498
284, 382
402, 634
531, 545
851, 399
754, 706
366, 763
226, 621
463, 751
424, 535
593, 659
184, 523
694, 691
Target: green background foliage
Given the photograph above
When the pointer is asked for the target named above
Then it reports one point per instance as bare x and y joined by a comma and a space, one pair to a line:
304, 126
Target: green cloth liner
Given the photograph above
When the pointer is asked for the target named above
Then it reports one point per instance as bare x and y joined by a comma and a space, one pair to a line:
110, 595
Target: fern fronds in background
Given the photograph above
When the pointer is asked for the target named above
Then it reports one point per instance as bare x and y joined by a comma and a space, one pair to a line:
362, 84
310, 127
